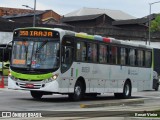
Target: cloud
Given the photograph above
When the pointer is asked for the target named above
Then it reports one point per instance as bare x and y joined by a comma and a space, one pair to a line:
16, 3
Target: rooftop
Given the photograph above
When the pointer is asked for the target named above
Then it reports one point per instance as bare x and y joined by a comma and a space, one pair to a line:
114, 14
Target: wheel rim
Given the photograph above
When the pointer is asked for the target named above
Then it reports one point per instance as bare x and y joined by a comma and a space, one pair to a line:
78, 90
127, 90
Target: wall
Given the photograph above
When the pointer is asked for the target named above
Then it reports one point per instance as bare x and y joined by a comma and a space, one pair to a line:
1, 12
5, 37
51, 14
26, 19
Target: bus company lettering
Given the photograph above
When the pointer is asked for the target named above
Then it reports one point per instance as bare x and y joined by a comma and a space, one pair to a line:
132, 72
36, 33
85, 69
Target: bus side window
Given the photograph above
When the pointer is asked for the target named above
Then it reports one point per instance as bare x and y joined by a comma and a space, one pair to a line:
109, 54
148, 59
81, 52
123, 56
103, 54
136, 58
127, 56
140, 58
114, 55
132, 57
92, 52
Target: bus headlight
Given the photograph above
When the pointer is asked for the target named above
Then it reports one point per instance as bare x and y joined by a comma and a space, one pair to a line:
54, 77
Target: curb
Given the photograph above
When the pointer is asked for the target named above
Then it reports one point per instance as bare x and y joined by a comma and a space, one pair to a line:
115, 103
5, 88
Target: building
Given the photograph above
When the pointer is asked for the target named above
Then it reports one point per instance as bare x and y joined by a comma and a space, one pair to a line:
92, 17
25, 15
114, 14
112, 23
12, 18
4, 11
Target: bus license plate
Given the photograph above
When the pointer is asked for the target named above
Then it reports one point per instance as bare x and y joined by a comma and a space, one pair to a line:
29, 85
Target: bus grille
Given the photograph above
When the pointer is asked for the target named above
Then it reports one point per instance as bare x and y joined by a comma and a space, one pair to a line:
30, 80
30, 85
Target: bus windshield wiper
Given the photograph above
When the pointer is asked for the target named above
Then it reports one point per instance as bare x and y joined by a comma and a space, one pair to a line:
41, 46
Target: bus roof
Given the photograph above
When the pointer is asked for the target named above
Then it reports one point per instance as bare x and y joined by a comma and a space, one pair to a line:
90, 37
104, 39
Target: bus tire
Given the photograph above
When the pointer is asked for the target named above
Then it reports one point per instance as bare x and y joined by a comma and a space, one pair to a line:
127, 89
36, 94
78, 92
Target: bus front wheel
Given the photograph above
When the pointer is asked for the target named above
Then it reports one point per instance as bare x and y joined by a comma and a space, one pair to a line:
36, 94
78, 92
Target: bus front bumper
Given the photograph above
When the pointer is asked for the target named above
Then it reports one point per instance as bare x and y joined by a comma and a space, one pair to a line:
36, 86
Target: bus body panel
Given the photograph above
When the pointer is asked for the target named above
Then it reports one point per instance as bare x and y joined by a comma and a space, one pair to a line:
49, 87
100, 79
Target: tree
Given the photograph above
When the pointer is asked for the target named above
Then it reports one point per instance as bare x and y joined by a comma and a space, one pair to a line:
155, 24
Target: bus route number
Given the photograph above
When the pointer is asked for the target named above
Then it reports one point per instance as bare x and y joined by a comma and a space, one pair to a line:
24, 33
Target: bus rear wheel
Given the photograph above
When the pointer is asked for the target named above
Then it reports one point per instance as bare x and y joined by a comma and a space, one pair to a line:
36, 94
127, 89
78, 92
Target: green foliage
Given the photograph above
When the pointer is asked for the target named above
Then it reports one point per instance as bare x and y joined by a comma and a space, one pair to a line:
155, 24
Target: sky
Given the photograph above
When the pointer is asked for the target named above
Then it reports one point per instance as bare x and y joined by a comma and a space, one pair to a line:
136, 8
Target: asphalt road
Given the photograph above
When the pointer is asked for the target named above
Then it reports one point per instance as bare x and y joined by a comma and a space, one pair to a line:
21, 101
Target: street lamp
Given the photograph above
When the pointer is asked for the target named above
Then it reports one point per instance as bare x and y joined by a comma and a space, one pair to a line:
34, 9
28, 7
150, 5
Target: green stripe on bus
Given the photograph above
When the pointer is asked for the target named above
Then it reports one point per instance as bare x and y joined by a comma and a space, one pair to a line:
31, 77
151, 75
76, 72
84, 36
152, 58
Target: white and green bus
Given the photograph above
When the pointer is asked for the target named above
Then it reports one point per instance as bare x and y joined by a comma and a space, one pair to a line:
47, 61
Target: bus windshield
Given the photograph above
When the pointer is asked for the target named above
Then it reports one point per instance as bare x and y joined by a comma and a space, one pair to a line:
35, 54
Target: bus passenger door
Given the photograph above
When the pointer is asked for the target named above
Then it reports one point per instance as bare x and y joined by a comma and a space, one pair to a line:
66, 62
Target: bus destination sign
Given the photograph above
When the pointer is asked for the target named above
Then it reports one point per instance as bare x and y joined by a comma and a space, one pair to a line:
35, 33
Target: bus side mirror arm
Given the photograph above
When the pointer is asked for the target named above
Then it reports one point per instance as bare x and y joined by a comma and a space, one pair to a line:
8, 44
